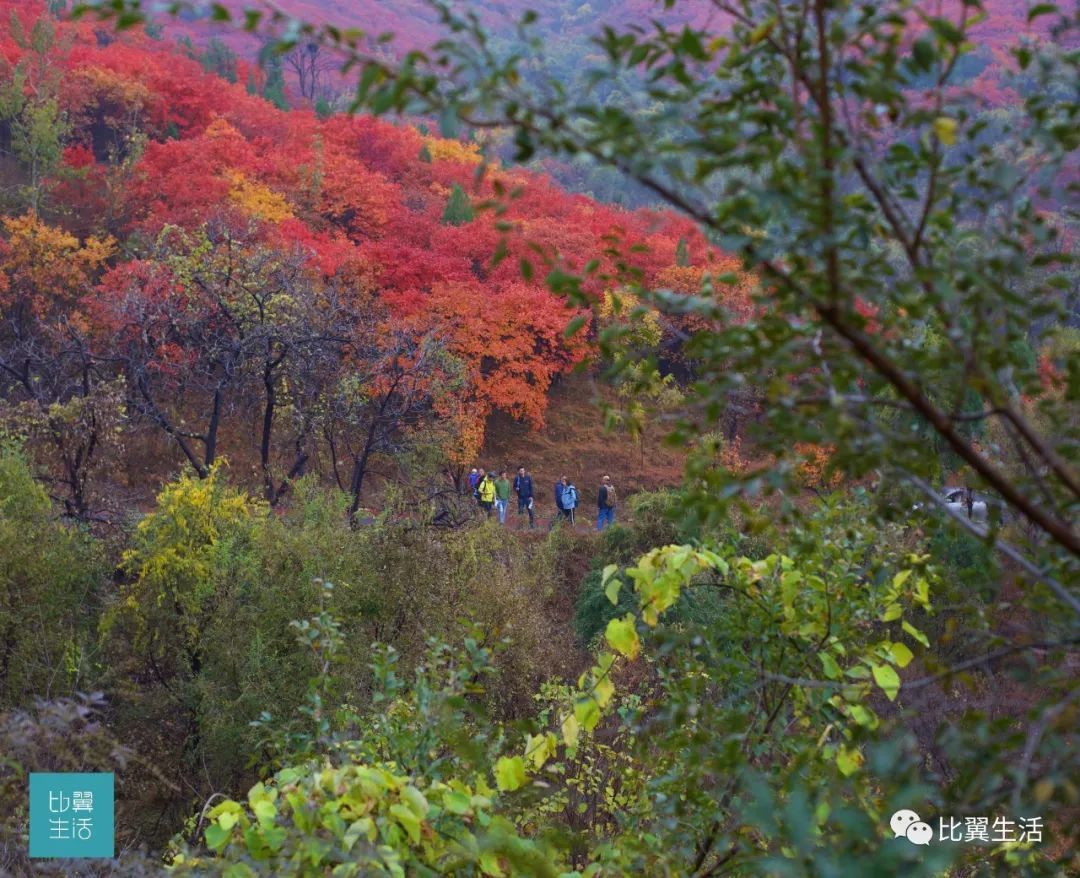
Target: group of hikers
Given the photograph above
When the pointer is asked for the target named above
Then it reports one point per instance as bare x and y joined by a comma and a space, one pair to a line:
492, 492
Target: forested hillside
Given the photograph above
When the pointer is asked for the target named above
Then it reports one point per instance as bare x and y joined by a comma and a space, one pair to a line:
147, 198
626, 439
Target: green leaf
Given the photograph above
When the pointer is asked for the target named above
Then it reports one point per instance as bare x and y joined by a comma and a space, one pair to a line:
622, 636
574, 326
571, 730
489, 864
409, 821
762, 31
915, 633
456, 803
216, 837
888, 680
832, 669
587, 713
901, 655
510, 773
945, 129
848, 760
892, 612
611, 583
1042, 9
864, 716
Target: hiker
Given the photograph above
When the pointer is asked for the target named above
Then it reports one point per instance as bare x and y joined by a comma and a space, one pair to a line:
474, 477
476, 486
502, 496
569, 499
523, 487
560, 511
485, 492
606, 500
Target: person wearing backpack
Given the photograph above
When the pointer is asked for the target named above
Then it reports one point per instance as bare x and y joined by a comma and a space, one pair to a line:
485, 493
502, 496
569, 499
523, 487
606, 501
560, 510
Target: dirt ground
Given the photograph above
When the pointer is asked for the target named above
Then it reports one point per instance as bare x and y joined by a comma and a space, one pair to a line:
574, 443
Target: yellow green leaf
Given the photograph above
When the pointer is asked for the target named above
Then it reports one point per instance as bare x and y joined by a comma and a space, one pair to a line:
864, 716
510, 773
610, 583
540, 748
571, 730
587, 713
489, 864
408, 820
848, 760
216, 837
622, 635
828, 663
945, 129
915, 633
265, 810
762, 31
1044, 789
603, 691
888, 680
456, 803
901, 655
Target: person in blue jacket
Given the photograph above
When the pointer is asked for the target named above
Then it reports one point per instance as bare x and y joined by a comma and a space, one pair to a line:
523, 487
560, 510
569, 498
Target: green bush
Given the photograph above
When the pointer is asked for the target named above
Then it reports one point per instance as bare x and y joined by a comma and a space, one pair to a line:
198, 641
51, 579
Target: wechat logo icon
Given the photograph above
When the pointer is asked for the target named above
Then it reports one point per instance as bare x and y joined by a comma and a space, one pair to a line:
908, 824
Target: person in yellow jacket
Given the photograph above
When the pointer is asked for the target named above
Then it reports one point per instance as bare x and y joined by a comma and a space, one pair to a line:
485, 491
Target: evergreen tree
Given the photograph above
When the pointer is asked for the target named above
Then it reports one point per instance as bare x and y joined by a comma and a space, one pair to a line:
323, 109
682, 253
32, 117
458, 209
425, 154
220, 60
274, 90
188, 47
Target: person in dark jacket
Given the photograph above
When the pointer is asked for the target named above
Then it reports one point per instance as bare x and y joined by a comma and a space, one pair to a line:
523, 487
605, 504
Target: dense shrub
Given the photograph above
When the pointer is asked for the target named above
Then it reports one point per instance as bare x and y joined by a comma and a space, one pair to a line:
657, 518
51, 579
68, 734
198, 641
